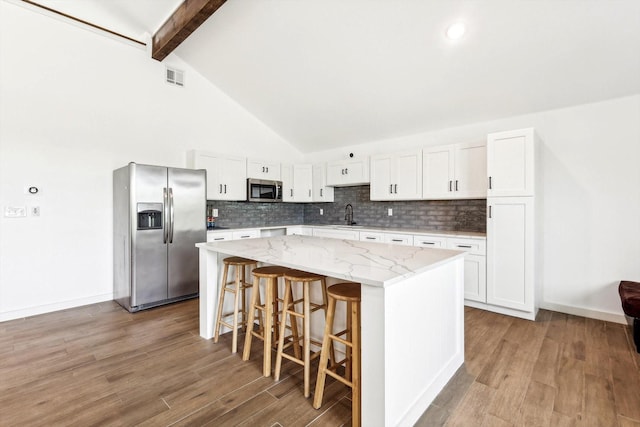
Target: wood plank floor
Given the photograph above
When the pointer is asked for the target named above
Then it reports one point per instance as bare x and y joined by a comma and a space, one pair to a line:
100, 365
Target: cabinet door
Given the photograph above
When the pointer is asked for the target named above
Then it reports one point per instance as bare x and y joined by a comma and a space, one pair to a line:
286, 172
408, 176
381, 186
213, 166
321, 193
510, 253
349, 172
233, 172
475, 278
470, 170
437, 172
263, 170
302, 183
510, 163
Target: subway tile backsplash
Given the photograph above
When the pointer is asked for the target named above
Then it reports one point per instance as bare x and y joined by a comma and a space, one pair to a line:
443, 215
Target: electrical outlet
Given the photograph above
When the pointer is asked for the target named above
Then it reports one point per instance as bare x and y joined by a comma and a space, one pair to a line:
215, 212
390, 212
321, 211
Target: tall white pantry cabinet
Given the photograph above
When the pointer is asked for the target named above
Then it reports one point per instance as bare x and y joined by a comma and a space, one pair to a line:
514, 226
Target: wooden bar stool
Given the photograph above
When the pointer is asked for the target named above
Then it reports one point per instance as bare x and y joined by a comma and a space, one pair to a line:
235, 287
349, 293
288, 308
268, 311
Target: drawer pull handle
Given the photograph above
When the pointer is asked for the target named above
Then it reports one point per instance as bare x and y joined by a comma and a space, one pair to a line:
465, 246
428, 243
244, 237
371, 238
218, 238
396, 240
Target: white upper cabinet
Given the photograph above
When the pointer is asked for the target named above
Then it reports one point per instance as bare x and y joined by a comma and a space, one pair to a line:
348, 172
511, 163
297, 183
396, 176
263, 170
321, 193
455, 171
226, 175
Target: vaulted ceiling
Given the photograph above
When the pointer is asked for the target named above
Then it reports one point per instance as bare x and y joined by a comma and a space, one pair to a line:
337, 72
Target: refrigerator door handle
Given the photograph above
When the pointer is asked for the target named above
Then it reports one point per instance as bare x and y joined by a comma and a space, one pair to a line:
171, 215
164, 214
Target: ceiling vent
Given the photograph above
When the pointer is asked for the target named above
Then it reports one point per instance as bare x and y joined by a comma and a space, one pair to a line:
175, 77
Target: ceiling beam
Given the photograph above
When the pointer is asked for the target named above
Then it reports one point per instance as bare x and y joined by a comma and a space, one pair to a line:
184, 21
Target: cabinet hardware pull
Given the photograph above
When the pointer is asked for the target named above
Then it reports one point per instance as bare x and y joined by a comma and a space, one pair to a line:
225, 189
220, 188
342, 171
292, 192
267, 168
263, 169
465, 246
396, 188
218, 238
321, 192
396, 240
428, 243
489, 183
244, 237
309, 193
390, 188
450, 185
489, 211
456, 185
346, 171
371, 238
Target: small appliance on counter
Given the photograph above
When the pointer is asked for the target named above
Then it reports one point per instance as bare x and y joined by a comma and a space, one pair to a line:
157, 220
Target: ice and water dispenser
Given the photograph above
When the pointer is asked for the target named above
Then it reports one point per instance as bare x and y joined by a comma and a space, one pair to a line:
149, 216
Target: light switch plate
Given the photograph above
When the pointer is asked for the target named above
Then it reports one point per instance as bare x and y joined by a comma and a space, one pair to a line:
15, 211
390, 212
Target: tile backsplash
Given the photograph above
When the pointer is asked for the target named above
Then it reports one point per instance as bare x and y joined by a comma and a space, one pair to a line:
444, 215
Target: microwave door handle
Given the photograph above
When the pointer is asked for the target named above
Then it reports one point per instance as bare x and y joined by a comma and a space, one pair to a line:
277, 192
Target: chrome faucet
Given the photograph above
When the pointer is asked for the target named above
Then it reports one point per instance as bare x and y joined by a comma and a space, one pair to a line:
348, 214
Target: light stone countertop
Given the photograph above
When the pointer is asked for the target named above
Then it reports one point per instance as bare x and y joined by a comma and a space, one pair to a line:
412, 231
375, 264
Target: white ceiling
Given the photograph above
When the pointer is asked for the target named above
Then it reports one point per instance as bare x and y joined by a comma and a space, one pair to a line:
337, 72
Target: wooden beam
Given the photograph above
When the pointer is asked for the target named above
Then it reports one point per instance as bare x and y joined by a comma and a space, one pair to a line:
184, 21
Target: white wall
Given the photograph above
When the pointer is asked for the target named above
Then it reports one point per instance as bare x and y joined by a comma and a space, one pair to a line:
74, 105
591, 166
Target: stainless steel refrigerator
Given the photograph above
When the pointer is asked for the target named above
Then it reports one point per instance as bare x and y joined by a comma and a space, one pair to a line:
159, 215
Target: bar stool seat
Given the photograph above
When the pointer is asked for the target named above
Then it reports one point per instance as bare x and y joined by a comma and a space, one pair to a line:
349, 293
267, 313
289, 309
237, 287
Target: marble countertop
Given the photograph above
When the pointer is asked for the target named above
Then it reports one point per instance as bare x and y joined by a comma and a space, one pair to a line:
375, 264
412, 231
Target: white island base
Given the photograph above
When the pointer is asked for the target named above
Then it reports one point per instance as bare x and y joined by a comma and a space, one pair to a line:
412, 312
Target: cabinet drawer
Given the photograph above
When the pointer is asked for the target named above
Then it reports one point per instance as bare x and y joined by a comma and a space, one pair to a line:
398, 239
473, 246
369, 236
246, 234
216, 236
430, 241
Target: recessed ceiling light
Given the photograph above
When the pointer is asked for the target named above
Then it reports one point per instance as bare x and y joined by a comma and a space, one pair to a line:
455, 31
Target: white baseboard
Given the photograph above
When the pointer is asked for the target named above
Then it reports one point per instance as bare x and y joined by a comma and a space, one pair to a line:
48, 308
585, 312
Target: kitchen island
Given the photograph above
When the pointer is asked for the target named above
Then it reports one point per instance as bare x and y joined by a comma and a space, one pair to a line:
412, 312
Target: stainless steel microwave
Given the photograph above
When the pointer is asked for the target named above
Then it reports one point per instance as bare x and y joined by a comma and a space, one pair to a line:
261, 190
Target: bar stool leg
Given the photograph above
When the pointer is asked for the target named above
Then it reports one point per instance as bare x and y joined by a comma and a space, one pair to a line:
236, 309
324, 355
355, 365
255, 297
221, 293
306, 346
267, 326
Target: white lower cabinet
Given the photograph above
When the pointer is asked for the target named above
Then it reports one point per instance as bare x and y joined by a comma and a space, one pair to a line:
475, 267
511, 254
299, 231
336, 234
371, 236
252, 233
398, 239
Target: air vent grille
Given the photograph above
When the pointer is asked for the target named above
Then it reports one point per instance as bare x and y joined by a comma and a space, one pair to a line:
175, 77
